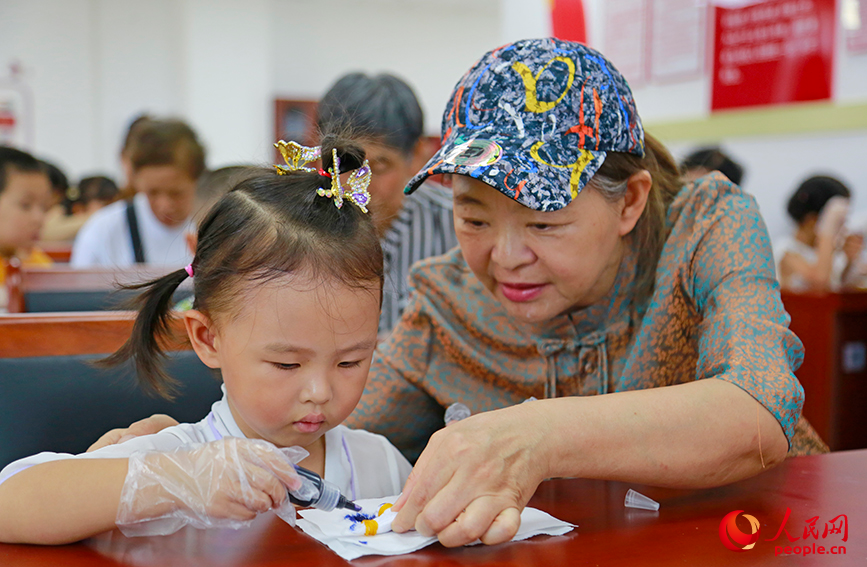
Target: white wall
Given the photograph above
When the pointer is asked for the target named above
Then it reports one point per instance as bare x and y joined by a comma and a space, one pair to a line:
92, 65
229, 69
424, 42
62, 85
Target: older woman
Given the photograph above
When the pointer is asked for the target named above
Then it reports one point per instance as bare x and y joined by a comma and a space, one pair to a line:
645, 315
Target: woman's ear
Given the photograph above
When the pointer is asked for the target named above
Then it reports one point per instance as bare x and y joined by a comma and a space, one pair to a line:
637, 190
200, 329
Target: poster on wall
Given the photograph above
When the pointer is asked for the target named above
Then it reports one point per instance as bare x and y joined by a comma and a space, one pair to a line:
567, 20
772, 52
625, 30
853, 14
677, 39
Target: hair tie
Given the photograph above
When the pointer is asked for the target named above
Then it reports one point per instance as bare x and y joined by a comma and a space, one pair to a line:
189, 270
297, 157
355, 190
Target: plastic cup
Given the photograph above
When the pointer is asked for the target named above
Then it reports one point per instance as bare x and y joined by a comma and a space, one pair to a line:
640, 501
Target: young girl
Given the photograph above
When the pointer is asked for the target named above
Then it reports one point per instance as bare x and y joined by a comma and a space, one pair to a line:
25, 196
287, 297
820, 256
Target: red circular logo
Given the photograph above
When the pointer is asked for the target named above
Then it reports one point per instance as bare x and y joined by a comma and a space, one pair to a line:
731, 535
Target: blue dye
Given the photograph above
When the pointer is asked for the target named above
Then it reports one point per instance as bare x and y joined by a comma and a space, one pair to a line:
359, 517
364, 542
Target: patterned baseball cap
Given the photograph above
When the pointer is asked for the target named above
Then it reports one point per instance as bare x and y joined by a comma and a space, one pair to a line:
535, 120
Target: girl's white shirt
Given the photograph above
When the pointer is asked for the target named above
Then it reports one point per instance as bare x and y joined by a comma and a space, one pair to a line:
360, 463
797, 283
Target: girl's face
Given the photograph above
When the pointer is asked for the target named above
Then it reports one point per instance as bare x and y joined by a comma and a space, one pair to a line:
538, 264
295, 359
23, 204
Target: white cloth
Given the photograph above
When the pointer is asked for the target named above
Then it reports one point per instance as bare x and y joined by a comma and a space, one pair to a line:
104, 239
360, 463
330, 528
793, 245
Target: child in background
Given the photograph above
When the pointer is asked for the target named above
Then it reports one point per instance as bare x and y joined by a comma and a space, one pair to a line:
79, 202
702, 161
819, 256
94, 193
25, 196
210, 189
287, 297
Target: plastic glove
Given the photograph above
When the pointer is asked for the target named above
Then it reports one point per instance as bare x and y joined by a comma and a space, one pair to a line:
832, 217
224, 483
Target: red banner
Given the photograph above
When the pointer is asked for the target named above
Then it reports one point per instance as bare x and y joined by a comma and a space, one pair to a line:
567, 20
773, 52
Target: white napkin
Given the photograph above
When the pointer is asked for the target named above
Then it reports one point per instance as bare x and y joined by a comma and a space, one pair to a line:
332, 529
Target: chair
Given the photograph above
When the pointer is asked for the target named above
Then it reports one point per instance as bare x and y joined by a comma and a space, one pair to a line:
61, 288
52, 398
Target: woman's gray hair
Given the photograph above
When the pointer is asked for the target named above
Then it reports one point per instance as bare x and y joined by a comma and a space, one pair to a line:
611, 190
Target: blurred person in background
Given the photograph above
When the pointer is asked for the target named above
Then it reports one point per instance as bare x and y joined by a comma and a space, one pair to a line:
820, 255
80, 201
210, 189
59, 184
701, 162
166, 160
126, 190
384, 113
25, 197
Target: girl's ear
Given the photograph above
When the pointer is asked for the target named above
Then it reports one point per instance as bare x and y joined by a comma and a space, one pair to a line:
637, 190
191, 239
200, 329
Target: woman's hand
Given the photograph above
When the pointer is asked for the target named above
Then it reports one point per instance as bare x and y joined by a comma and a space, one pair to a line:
224, 483
474, 477
146, 426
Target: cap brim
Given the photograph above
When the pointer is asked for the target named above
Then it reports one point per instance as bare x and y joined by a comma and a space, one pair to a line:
515, 169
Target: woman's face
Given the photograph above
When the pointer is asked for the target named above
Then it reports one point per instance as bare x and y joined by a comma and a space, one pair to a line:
538, 264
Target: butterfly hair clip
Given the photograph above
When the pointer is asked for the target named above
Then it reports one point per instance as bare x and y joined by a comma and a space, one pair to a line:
355, 189
297, 157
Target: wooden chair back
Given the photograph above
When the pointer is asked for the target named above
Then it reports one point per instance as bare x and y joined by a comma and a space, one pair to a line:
61, 288
53, 398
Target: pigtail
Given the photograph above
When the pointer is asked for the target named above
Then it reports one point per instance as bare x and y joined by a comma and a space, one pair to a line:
150, 333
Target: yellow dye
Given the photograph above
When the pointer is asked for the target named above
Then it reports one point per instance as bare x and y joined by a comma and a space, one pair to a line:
370, 527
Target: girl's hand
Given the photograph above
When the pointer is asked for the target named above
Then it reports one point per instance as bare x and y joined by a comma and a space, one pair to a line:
475, 476
224, 483
852, 247
832, 217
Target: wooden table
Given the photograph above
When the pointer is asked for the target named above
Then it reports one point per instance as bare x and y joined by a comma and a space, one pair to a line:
685, 531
